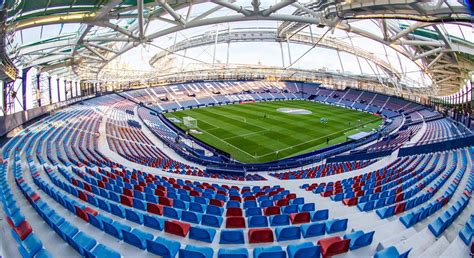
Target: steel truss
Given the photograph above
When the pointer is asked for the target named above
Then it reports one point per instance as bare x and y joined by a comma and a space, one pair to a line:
104, 36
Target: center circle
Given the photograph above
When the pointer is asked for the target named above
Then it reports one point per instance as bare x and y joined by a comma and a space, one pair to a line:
294, 111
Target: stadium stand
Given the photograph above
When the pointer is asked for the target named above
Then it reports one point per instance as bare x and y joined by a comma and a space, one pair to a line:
104, 186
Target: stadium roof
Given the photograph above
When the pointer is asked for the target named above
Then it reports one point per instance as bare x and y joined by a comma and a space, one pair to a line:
81, 37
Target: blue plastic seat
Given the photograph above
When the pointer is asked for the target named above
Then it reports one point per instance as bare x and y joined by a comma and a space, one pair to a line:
163, 247
410, 219
269, 252
134, 216
232, 237
67, 230
153, 222
104, 205
115, 229
211, 220
191, 251
202, 234
280, 220
288, 233
257, 221
82, 242
336, 225
190, 216
307, 207
253, 211
385, 212
359, 239
391, 252
320, 215
233, 253
101, 251
214, 210
303, 250
196, 207
117, 210
290, 209
171, 212
30, 246
313, 229
437, 227
136, 237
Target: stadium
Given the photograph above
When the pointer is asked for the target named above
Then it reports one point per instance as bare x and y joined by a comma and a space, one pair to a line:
234, 129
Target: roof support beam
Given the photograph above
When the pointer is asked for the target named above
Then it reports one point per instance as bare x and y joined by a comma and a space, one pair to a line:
177, 17
95, 52
438, 57
407, 31
141, 30
231, 6
274, 8
120, 29
101, 47
304, 8
428, 53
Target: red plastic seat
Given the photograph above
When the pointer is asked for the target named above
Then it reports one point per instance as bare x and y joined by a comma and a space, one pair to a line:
282, 202
260, 235
272, 210
82, 196
300, 218
235, 222
128, 192
81, 214
91, 211
35, 197
236, 198
333, 245
399, 208
159, 192
234, 212
126, 200
154, 208
165, 201
23, 230
350, 201
216, 202
177, 228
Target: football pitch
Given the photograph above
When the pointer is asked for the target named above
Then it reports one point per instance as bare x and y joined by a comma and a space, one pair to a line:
258, 132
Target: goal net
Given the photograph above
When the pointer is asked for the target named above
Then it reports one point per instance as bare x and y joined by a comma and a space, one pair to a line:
190, 122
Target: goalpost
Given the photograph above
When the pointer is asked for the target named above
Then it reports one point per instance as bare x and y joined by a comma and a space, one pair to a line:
190, 122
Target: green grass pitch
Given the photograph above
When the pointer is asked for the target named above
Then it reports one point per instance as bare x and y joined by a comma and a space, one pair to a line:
257, 132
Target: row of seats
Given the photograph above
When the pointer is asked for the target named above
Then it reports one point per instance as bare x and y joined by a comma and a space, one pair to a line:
323, 170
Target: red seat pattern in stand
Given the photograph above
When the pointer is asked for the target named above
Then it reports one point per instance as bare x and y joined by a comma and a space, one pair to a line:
260, 235
91, 211
177, 228
399, 208
272, 210
350, 201
300, 218
81, 214
35, 197
23, 230
154, 208
165, 201
282, 202
333, 245
126, 200
82, 196
234, 212
235, 222
216, 202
